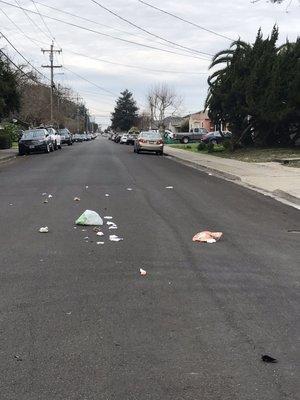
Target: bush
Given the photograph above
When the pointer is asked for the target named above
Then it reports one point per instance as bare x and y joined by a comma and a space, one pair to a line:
227, 144
210, 147
5, 141
12, 130
188, 146
201, 146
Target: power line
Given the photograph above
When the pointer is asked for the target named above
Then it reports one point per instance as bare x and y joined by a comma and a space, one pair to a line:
88, 20
22, 55
29, 18
44, 22
17, 26
92, 83
185, 20
19, 69
136, 66
115, 63
95, 22
148, 32
105, 34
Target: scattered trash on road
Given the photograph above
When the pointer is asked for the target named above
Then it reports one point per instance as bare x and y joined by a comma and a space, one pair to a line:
111, 225
69, 313
86, 238
100, 234
50, 196
89, 218
129, 189
44, 229
83, 230
96, 229
18, 358
115, 238
76, 199
268, 359
100, 242
207, 236
210, 174
169, 187
45, 201
106, 195
107, 217
44, 194
86, 187
143, 272
11, 204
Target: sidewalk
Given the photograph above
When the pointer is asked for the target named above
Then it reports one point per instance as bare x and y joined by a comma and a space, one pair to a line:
275, 179
7, 154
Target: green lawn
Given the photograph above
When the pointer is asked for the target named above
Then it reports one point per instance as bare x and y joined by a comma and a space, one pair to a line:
194, 147
248, 155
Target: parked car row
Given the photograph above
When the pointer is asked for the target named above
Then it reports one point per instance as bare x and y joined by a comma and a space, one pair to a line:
123, 138
48, 139
216, 137
201, 135
143, 141
84, 137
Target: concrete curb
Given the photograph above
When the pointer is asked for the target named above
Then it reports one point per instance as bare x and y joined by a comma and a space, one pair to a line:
204, 168
286, 196
278, 195
7, 158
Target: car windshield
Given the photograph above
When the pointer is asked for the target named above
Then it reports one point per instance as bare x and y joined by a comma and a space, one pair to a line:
29, 135
63, 132
151, 135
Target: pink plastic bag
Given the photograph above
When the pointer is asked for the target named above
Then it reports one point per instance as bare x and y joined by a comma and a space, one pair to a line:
207, 237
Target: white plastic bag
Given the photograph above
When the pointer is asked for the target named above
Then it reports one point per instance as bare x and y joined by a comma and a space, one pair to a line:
89, 218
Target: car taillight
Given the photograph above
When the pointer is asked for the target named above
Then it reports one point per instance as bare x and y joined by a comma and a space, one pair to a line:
159, 142
142, 140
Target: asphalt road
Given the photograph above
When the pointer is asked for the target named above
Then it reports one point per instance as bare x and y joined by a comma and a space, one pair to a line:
78, 321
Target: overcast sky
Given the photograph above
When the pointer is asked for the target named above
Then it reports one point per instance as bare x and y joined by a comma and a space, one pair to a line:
231, 18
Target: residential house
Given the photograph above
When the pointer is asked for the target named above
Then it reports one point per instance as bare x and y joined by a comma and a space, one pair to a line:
173, 124
200, 120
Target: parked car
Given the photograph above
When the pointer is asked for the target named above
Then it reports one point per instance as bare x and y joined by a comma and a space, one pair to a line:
149, 141
215, 137
89, 136
123, 139
55, 137
66, 136
77, 137
117, 138
186, 137
83, 137
35, 140
132, 138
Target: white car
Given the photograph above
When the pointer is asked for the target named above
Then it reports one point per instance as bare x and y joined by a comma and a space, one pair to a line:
55, 137
124, 138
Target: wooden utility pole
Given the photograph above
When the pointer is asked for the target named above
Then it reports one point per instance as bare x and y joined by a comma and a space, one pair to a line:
51, 66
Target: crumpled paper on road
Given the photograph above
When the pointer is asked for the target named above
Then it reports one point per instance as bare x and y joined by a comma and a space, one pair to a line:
207, 237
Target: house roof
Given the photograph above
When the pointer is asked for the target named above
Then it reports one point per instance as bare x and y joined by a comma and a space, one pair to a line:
173, 120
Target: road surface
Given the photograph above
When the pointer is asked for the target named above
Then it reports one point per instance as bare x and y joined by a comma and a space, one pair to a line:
79, 322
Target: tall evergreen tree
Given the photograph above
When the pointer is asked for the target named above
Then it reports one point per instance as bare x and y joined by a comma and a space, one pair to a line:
9, 95
260, 81
125, 112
